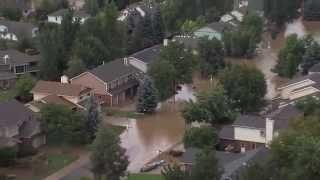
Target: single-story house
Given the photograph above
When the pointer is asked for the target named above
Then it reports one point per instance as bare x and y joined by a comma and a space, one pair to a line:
13, 30
231, 163
213, 30
19, 127
298, 88
315, 69
63, 93
113, 83
250, 132
57, 17
143, 58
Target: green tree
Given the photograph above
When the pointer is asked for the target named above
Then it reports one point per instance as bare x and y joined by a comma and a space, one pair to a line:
311, 55
174, 172
92, 7
108, 157
52, 60
147, 96
254, 172
206, 167
158, 26
13, 14
212, 107
212, 56
3, 44
281, 11
246, 86
93, 117
8, 156
63, 125
290, 57
200, 137
182, 60
309, 105
163, 73
75, 67
23, 87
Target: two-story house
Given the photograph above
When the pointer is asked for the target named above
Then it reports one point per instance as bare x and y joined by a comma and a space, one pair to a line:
19, 127
113, 83
14, 63
63, 93
142, 59
14, 31
249, 132
57, 17
298, 88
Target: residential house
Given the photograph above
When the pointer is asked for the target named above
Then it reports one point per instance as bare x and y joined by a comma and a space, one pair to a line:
143, 58
14, 63
19, 127
315, 69
15, 31
113, 83
212, 30
249, 132
298, 88
63, 93
231, 163
57, 17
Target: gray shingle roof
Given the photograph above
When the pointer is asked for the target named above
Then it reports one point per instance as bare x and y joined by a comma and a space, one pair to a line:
20, 29
250, 121
227, 132
16, 57
315, 68
113, 70
148, 55
282, 116
14, 113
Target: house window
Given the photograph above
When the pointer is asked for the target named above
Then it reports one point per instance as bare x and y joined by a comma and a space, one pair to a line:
20, 69
262, 133
253, 146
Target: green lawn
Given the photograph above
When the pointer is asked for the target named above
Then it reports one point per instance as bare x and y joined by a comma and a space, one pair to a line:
6, 95
145, 177
118, 129
58, 161
127, 114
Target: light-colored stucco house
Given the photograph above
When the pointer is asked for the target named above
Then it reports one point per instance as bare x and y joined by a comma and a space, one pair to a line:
19, 127
57, 17
63, 93
298, 88
113, 83
249, 132
14, 31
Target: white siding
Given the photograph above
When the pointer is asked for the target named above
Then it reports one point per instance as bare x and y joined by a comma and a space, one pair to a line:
142, 66
55, 19
247, 134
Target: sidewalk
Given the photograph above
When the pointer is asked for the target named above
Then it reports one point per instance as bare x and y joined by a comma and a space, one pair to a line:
83, 160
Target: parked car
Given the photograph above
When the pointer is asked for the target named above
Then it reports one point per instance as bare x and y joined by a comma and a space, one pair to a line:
151, 166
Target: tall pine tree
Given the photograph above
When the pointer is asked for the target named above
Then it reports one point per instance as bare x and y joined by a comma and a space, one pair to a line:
147, 96
93, 117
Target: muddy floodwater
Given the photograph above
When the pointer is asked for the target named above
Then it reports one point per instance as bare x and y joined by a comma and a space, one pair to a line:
146, 137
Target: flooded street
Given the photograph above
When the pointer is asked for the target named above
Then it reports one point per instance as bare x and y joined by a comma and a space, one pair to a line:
146, 137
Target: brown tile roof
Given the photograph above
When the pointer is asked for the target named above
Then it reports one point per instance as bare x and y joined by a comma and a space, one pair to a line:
60, 89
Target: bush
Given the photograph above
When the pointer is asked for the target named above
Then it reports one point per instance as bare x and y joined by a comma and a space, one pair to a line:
13, 14
7, 156
200, 137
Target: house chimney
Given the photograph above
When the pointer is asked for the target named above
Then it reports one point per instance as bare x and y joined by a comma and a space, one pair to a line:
125, 61
269, 131
6, 58
64, 79
165, 42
